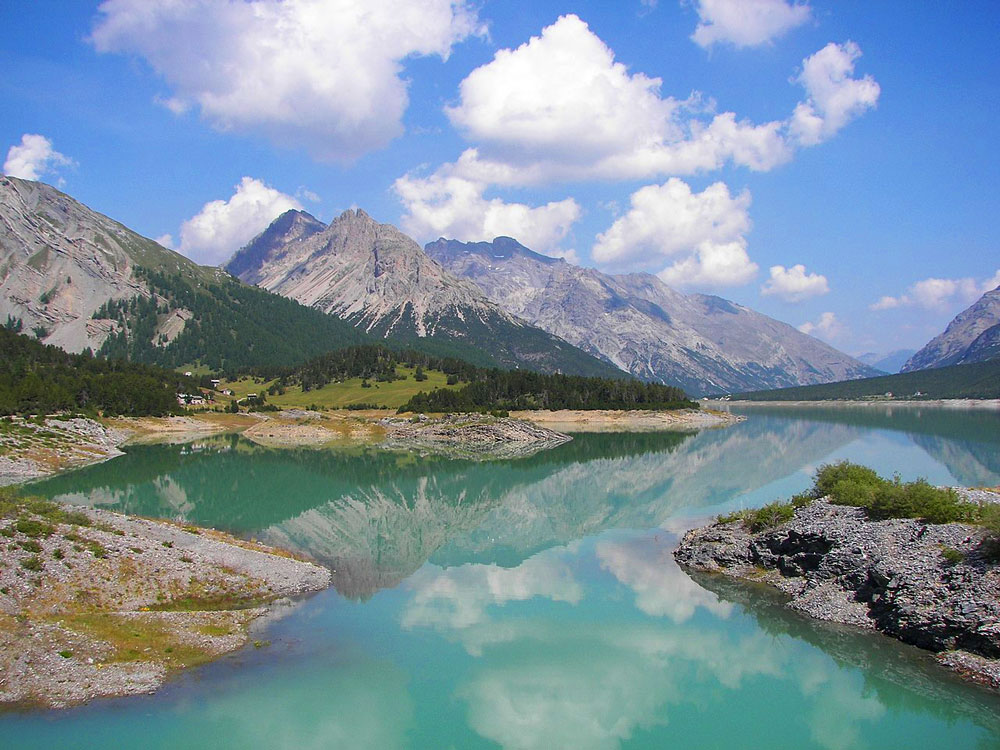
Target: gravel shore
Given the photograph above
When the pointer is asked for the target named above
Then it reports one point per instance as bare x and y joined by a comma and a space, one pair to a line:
93, 603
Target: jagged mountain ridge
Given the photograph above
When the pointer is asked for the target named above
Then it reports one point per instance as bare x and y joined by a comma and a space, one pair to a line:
703, 343
972, 336
380, 280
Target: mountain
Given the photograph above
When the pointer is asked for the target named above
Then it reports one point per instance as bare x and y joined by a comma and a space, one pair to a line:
78, 279
890, 362
703, 343
378, 279
973, 336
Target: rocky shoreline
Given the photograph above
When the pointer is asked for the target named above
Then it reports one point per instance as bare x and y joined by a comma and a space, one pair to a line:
929, 585
469, 436
95, 604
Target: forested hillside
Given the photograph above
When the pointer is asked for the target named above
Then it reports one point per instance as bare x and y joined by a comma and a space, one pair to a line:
39, 379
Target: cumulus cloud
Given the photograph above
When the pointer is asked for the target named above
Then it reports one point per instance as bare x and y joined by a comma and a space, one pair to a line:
794, 284
746, 23
560, 108
702, 233
456, 208
223, 226
33, 158
319, 74
939, 294
834, 96
827, 327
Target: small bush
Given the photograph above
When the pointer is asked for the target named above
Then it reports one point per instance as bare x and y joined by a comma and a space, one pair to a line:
951, 555
34, 528
760, 519
33, 563
30, 545
66, 654
830, 475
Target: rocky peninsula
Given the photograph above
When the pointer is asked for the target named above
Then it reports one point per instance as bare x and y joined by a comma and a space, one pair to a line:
932, 585
93, 603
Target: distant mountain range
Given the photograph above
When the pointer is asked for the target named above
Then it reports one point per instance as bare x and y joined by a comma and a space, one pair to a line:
706, 344
378, 279
890, 363
973, 336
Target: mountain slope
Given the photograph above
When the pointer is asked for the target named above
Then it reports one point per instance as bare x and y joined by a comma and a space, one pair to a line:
973, 336
890, 362
377, 278
703, 343
79, 280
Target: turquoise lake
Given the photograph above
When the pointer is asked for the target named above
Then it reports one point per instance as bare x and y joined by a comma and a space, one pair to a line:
534, 603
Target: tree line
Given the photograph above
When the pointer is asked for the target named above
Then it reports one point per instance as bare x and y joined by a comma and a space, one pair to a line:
40, 379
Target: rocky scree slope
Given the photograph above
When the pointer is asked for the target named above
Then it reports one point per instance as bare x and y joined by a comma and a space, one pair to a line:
380, 280
705, 344
892, 576
973, 336
60, 262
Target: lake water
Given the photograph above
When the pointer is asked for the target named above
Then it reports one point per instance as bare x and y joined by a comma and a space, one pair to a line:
534, 603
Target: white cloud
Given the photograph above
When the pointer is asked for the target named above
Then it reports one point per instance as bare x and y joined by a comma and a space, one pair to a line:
828, 327
794, 284
939, 294
320, 74
456, 208
167, 240
222, 227
834, 97
34, 157
746, 23
559, 108
703, 233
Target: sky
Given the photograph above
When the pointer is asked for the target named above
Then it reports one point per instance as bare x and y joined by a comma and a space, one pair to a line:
832, 164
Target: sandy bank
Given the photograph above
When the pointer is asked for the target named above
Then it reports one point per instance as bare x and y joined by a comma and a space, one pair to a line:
608, 420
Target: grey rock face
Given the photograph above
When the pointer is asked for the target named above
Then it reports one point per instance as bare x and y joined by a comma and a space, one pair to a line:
704, 343
973, 336
887, 575
380, 280
60, 261
358, 269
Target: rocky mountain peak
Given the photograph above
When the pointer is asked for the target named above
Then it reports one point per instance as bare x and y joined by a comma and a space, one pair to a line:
973, 336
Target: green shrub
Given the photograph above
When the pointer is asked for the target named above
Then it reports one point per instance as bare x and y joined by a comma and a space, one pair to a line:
829, 475
33, 563
760, 519
847, 483
34, 528
951, 555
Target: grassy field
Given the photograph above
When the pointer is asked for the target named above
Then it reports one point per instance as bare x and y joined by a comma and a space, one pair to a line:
342, 395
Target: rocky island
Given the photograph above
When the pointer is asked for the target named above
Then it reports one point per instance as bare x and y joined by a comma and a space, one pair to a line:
933, 585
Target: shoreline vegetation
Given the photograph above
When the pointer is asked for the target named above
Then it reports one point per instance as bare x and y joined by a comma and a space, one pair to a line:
912, 561
97, 604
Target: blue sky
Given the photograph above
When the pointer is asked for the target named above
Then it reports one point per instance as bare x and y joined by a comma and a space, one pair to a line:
722, 144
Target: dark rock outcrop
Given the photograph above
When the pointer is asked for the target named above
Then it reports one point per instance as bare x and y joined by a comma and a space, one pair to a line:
892, 576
